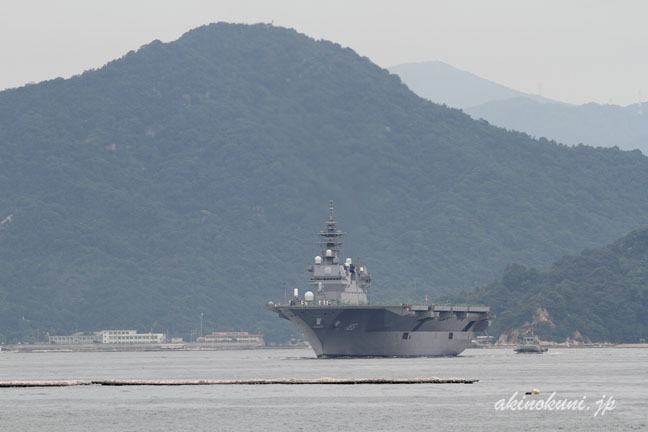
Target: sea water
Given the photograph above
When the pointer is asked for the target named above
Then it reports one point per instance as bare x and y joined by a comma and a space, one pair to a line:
592, 377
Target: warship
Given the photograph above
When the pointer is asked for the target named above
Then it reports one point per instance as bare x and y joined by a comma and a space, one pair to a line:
338, 320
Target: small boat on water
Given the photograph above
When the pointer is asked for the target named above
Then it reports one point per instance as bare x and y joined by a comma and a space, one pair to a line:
530, 347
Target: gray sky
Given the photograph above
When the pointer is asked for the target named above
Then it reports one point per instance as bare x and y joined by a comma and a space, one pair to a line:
574, 51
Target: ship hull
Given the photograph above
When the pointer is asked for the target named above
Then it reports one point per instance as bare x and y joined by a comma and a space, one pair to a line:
396, 331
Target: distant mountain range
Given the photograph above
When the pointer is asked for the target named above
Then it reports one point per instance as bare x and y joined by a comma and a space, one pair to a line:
445, 84
191, 177
591, 124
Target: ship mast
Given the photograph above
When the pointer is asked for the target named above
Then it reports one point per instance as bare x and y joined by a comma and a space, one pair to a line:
331, 239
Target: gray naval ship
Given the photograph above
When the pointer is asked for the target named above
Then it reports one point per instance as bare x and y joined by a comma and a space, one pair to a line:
338, 320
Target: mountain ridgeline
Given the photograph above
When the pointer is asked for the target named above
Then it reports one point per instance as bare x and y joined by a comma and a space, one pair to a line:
590, 124
191, 177
600, 295
445, 84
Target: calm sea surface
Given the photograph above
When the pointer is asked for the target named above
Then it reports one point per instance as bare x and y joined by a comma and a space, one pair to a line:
571, 373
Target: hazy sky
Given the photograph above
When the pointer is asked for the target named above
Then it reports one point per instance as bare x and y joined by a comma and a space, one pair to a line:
574, 51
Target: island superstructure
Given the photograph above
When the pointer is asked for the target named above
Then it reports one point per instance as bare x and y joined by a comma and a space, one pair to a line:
338, 320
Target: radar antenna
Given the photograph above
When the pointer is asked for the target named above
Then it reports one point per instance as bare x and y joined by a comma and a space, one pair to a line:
331, 238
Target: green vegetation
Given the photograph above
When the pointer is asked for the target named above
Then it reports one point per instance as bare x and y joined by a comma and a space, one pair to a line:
601, 294
192, 176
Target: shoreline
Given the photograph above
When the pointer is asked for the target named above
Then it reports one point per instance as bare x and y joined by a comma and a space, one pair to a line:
193, 346
556, 346
166, 347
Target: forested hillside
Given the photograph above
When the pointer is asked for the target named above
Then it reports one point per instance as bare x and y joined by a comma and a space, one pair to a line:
192, 176
600, 295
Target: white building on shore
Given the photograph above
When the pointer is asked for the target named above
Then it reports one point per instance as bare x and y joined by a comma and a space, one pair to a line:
79, 338
108, 337
130, 336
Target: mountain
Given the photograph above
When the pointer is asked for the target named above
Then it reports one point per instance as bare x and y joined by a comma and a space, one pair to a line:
191, 177
445, 84
592, 124
600, 295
